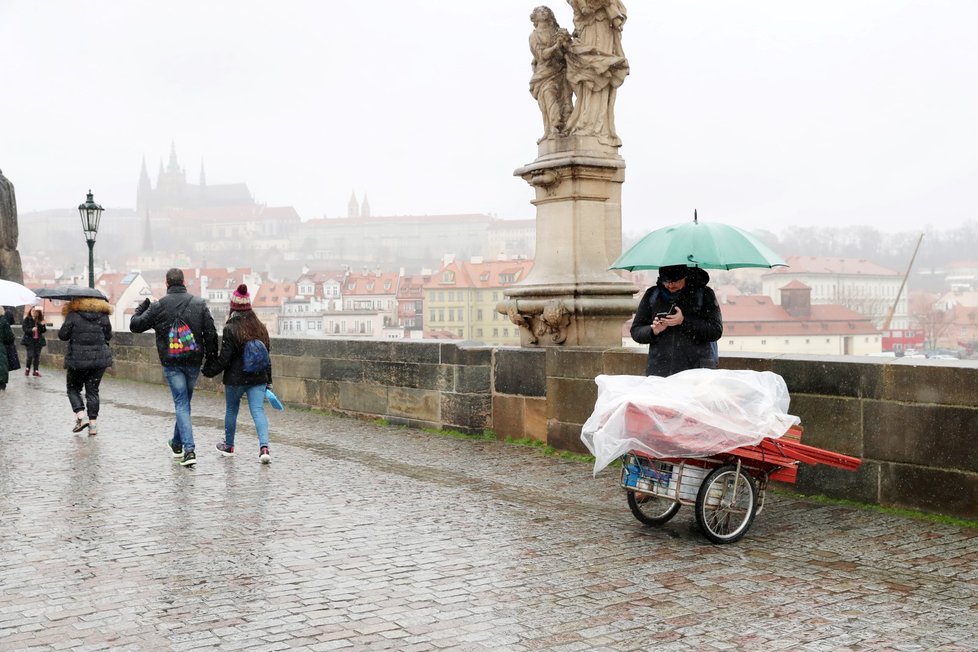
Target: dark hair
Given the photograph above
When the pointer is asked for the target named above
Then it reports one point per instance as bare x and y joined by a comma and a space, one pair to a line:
174, 276
250, 327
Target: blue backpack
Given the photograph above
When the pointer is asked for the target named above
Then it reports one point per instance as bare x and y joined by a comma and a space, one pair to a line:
255, 356
714, 349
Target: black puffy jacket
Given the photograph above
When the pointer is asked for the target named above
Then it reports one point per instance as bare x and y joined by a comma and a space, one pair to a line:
160, 315
686, 346
87, 330
231, 360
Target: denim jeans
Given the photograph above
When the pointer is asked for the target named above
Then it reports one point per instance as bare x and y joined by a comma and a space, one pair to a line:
181, 381
256, 403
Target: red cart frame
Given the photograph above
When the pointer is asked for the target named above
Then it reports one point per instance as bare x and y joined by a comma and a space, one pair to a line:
726, 489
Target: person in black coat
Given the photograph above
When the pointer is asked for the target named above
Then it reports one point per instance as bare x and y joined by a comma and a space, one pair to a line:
33, 339
6, 339
87, 330
242, 326
678, 318
180, 373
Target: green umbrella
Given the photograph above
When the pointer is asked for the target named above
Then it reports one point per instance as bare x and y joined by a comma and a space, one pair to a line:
697, 244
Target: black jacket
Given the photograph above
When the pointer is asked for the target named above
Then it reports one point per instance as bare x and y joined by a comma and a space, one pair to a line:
231, 360
87, 331
160, 315
28, 326
686, 346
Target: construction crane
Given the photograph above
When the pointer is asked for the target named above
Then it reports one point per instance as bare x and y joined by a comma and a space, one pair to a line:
889, 317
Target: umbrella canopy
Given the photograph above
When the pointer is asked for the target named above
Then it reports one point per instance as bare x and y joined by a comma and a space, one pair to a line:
69, 292
698, 244
15, 294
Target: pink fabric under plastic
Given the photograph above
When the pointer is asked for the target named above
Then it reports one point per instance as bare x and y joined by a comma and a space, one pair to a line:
695, 413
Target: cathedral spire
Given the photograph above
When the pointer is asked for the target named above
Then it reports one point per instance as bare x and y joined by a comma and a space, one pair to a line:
353, 208
365, 207
203, 177
144, 189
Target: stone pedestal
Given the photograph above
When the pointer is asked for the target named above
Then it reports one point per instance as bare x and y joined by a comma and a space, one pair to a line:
570, 297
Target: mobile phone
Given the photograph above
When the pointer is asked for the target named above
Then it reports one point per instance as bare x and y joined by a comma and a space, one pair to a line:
671, 311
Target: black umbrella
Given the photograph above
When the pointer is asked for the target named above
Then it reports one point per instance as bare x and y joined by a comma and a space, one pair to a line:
69, 292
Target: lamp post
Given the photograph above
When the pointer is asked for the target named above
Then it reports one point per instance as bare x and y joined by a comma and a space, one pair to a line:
90, 213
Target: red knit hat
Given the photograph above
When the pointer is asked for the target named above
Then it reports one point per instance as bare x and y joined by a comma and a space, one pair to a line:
240, 299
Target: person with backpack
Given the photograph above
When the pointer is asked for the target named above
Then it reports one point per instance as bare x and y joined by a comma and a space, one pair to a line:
247, 368
679, 318
87, 330
185, 337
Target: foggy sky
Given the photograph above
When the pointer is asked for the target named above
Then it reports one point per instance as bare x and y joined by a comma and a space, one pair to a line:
761, 113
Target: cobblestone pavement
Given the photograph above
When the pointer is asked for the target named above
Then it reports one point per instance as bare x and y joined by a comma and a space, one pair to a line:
362, 536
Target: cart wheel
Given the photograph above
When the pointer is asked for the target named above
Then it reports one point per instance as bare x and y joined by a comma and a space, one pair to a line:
726, 504
652, 510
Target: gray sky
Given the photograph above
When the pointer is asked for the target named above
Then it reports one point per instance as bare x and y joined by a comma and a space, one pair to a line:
760, 113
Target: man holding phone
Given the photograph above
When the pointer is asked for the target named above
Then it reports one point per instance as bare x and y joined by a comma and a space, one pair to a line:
678, 318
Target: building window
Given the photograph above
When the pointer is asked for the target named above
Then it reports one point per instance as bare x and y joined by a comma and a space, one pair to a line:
786, 342
495, 332
478, 314
731, 342
478, 332
763, 342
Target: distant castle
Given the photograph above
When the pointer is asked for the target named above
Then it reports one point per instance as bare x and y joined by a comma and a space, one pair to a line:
173, 192
354, 209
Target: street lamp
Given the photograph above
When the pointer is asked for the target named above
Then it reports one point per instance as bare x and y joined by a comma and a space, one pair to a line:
90, 214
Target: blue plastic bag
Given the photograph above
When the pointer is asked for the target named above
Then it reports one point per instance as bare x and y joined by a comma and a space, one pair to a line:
273, 400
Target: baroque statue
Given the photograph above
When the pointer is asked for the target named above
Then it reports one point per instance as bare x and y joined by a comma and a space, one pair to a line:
548, 84
10, 266
591, 62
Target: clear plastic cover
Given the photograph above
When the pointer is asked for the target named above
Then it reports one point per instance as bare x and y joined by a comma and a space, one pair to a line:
695, 413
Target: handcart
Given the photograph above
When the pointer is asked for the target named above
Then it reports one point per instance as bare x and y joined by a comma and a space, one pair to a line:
725, 489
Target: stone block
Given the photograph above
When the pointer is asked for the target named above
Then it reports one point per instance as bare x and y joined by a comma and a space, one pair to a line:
417, 404
831, 423
507, 416
749, 361
468, 380
423, 352
574, 362
929, 489
363, 398
625, 362
927, 435
341, 370
565, 437
571, 400
399, 374
520, 371
473, 411
465, 355
831, 375
304, 367
535, 418
919, 380
822, 480
329, 395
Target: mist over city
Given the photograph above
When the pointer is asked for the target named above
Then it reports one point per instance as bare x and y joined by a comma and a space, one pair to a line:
283, 143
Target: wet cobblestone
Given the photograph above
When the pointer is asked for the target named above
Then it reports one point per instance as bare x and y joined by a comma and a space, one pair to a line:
362, 536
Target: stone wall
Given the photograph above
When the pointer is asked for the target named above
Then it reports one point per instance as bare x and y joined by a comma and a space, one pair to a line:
913, 422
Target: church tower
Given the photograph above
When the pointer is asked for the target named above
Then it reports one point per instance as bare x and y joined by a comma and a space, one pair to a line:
144, 191
365, 207
353, 208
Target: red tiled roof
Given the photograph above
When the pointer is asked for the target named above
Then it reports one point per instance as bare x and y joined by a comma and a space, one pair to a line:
272, 295
831, 265
759, 315
481, 275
